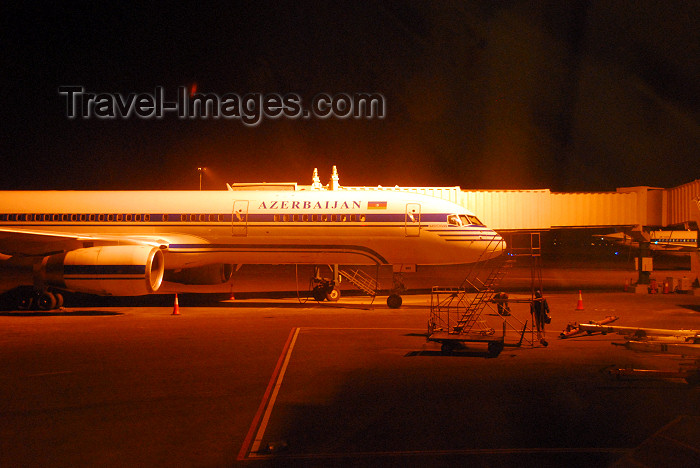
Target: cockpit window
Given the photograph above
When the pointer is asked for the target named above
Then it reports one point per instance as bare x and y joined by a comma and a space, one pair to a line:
453, 220
470, 220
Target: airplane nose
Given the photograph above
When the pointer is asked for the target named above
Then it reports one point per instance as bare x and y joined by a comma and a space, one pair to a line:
497, 244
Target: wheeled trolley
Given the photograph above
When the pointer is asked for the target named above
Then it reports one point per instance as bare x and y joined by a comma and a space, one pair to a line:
451, 341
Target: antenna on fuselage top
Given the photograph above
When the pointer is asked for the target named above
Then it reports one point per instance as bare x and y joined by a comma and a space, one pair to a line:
316, 185
334, 183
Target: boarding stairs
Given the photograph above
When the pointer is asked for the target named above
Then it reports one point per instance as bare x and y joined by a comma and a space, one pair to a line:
361, 280
485, 289
456, 314
458, 310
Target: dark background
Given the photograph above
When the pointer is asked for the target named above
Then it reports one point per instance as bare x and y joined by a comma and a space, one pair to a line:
578, 95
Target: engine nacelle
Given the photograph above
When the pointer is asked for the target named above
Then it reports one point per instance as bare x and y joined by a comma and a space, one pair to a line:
120, 270
216, 273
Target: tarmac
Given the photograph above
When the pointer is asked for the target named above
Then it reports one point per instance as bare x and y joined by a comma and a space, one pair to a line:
280, 382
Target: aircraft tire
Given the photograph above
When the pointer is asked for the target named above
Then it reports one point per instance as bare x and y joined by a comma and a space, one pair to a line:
333, 295
46, 301
319, 294
394, 301
59, 300
25, 302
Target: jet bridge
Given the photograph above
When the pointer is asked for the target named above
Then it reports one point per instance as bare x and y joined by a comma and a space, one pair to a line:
542, 209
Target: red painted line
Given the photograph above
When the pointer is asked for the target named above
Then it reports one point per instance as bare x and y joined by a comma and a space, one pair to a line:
247, 442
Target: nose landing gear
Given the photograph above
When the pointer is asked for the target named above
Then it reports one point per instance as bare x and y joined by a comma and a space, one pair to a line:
325, 288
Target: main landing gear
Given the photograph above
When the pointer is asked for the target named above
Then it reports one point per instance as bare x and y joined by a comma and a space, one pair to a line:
31, 299
394, 300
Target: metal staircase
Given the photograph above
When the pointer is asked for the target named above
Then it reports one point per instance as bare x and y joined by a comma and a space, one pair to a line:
456, 314
457, 310
361, 280
484, 293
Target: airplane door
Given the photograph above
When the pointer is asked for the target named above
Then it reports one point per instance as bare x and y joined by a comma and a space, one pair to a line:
412, 219
239, 222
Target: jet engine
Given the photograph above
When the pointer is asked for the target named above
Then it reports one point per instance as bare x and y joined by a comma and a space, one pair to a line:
216, 273
121, 270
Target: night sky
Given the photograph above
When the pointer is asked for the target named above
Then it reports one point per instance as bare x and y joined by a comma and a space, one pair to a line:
572, 96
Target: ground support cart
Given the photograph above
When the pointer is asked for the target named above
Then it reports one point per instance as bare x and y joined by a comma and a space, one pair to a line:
453, 341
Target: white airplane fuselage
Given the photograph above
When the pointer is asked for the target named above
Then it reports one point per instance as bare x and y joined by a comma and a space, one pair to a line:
198, 228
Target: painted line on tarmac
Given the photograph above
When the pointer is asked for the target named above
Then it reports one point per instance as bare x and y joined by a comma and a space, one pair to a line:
362, 328
262, 416
251, 447
44, 374
438, 453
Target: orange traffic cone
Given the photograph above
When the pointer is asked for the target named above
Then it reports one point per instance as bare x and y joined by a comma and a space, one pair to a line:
176, 307
627, 285
666, 287
579, 306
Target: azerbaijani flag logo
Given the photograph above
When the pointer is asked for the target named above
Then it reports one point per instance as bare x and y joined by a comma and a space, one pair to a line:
376, 205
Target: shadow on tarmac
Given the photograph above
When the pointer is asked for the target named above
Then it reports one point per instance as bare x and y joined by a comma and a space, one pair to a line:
693, 307
59, 313
456, 353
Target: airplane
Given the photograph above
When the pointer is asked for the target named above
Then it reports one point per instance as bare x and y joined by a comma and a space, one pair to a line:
134, 243
668, 241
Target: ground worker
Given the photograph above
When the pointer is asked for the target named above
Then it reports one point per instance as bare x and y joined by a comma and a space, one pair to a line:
539, 309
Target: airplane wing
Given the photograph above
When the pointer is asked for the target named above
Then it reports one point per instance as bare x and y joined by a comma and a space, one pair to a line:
27, 242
